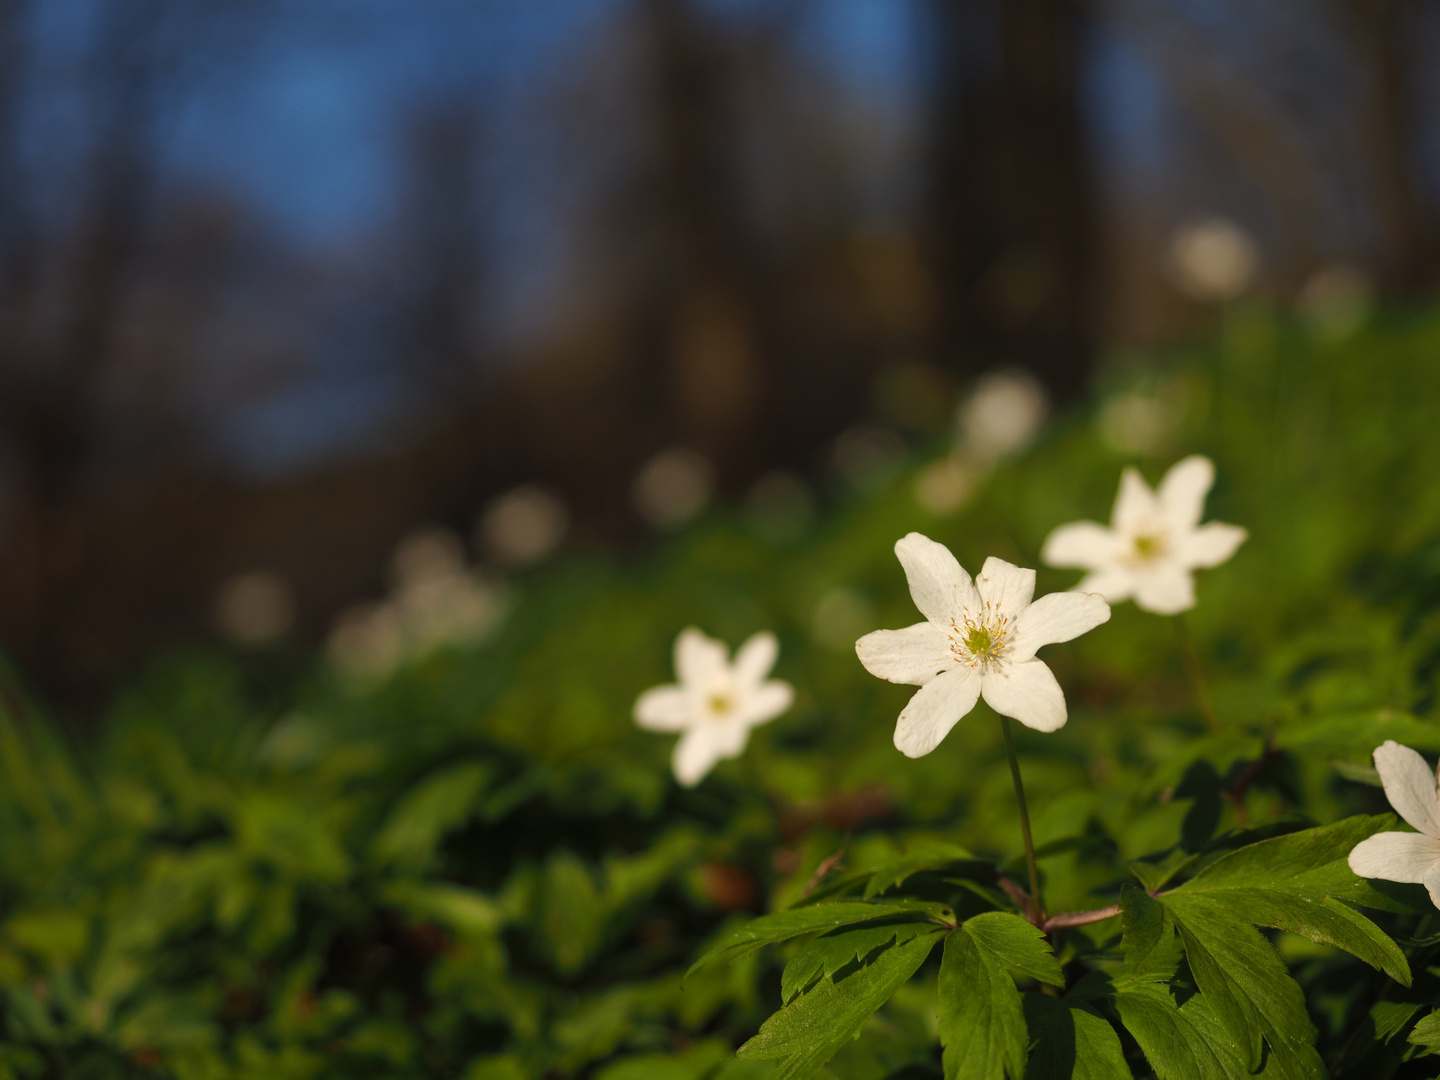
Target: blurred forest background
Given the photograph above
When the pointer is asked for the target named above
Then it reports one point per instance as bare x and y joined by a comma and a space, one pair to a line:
283, 280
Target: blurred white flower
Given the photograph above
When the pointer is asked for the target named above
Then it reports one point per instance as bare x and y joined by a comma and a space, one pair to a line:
524, 525
438, 599
1214, 259
1410, 785
1002, 416
867, 455
1144, 423
366, 641
715, 703
673, 487
840, 615
979, 640
255, 608
1336, 301
430, 553
780, 505
1154, 543
943, 486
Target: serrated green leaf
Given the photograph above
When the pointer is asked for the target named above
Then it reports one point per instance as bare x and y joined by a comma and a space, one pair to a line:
806, 1033
1289, 882
982, 1021
1148, 933
1175, 1047
1018, 945
1154, 875
1246, 985
783, 925
1322, 920
1071, 1042
1426, 1034
422, 818
1360, 774
1277, 862
930, 858
829, 953
1390, 1017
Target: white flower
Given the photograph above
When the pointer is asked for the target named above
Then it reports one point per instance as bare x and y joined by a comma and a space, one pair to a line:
1410, 785
1154, 542
715, 703
979, 639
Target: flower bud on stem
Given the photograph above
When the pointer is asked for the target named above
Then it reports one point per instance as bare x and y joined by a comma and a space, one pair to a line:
1190, 659
1036, 906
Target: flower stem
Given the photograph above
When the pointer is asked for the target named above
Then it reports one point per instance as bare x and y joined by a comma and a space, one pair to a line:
1195, 674
1036, 914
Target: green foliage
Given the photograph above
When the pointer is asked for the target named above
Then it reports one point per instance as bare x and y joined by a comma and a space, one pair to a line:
479, 867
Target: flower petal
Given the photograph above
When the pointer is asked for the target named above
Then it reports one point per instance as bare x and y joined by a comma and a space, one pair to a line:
1409, 785
1432, 884
1182, 492
1114, 583
1027, 692
938, 584
664, 708
1058, 616
1210, 545
755, 658
914, 655
699, 659
1007, 588
766, 702
701, 747
1396, 856
934, 710
1136, 507
1165, 590
1081, 543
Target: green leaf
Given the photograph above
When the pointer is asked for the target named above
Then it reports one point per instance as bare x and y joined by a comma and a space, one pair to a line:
783, 925
416, 826
982, 1021
1156, 874
1322, 920
930, 858
1176, 1047
1071, 1042
1148, 933
1017, 943
828, 954
1426, 1034
1283, 860
806, 1033
1246, 985
1390, 1017
1288, 883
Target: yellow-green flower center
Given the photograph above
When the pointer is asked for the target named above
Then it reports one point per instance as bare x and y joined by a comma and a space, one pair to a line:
977, 641
720, 704
978, 638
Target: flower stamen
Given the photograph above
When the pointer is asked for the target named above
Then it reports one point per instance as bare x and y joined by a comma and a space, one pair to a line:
977, 639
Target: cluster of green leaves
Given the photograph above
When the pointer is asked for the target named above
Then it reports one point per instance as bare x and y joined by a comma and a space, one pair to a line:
481, 868
1175, 980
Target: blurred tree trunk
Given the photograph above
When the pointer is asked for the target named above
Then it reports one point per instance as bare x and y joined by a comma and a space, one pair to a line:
48, 384
713, 308
1014, 209
446, 246
1409, 257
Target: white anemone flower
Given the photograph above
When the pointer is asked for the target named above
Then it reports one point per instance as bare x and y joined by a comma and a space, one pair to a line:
979, 640
715, 703
1154, 543
1411, 787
